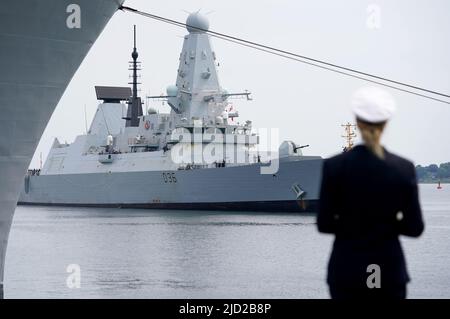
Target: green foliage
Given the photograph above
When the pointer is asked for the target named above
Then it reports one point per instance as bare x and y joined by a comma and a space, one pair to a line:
433, 173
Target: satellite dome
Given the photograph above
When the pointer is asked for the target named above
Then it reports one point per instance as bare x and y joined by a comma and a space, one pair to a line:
197, 22
219, 120
224, 94
172, 90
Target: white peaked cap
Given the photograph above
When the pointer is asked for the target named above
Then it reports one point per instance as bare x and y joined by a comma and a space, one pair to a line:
373, 105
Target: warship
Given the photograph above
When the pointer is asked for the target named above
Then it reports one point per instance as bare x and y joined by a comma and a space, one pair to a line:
198, 156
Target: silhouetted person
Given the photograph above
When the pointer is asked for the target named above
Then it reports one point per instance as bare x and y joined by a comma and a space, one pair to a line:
368, 198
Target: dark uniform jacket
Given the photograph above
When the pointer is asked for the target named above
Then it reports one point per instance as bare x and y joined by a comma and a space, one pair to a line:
367, 202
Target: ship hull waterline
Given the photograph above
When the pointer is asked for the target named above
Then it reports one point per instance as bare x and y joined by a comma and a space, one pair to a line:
293, 206
199, 189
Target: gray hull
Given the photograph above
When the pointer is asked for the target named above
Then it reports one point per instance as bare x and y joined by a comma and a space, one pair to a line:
229, 188
38, 57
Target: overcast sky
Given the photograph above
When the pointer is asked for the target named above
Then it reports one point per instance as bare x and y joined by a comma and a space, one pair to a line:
410, 43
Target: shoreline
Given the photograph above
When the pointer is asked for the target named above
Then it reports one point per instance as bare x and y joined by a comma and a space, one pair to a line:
433, 182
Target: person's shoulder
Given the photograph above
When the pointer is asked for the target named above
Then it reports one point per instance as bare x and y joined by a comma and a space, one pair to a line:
336, 163
334, 160
338, 159
399, 162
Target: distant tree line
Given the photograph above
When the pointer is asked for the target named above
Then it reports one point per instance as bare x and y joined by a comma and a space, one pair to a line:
433, 173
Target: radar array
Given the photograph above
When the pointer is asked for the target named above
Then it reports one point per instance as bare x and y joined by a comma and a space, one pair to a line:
346, 71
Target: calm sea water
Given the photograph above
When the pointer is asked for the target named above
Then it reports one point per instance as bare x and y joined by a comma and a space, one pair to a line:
172, 254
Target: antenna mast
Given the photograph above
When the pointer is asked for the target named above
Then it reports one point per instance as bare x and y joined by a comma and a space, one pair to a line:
349, 135
134, 104
134, 55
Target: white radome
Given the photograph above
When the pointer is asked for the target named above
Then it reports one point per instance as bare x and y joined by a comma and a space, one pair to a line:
172, 90
373, 105
197, 22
